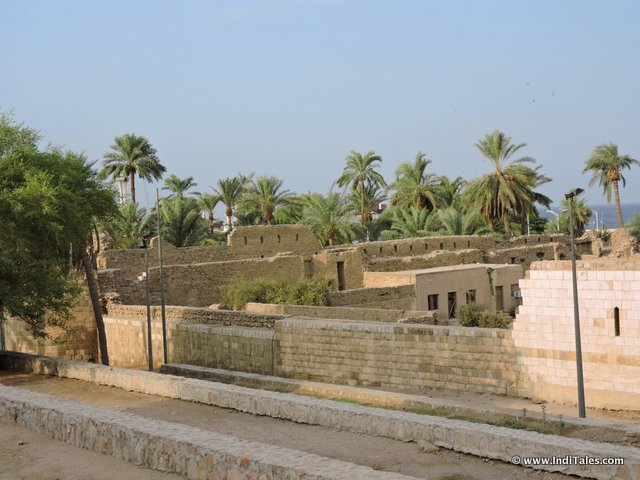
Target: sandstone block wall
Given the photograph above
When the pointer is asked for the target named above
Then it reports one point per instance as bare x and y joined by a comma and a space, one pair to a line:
434, 259
271, 239
416, 356
426, 245
396, 297
544, 333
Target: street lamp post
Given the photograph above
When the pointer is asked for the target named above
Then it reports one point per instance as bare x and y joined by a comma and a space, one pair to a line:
576, 314
164, 317
145, 240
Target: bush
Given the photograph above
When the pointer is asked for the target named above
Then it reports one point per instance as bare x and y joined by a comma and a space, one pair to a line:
237, 294
603, 234
473, 315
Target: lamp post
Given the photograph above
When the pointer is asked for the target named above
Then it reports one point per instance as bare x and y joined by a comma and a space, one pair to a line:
145, 240
164, 317
570, 196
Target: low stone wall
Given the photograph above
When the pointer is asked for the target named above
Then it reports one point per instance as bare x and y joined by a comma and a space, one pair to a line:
402, 297
476, 439
425, 245
525, 255
345, 313
424, 357
169, 447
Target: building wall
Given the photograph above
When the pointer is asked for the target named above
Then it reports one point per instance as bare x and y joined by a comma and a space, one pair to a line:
544, 332
394, 297
271, 239
431, 260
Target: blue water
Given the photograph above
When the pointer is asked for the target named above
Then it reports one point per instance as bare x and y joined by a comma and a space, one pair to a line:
606, 214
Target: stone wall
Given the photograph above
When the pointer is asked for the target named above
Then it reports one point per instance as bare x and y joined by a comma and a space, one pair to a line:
271, 239
346, 313
402, 297
426, 245
438, 258
399, 357
76, 341
525, 255
544, 333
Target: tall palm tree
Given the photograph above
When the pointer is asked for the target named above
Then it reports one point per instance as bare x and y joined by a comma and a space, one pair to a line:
127, 228
131, 155
606, 165
328, 218
509, 188
581, 215
265, 196
448, 191
229, 190
461, 222
360, 172
178, 186
208, 202
413, 186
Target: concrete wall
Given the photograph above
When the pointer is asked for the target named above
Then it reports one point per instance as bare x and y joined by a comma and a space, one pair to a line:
544, 334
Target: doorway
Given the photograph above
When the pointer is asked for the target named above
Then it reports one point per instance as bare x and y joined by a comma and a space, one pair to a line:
341, 282
451, 304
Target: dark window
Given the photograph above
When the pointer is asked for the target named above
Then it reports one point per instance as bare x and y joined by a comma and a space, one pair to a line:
261, 239
540, 255
468, 243
432, 302
296, 237
341, 279
441, 246
513, 259
616, 320
279, 239
451, 304
411, 248
245, 240
395, 248
454, 245
471, 296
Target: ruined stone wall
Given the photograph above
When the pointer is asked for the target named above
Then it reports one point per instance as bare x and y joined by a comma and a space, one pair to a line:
426, 245
544, 334
326, 264
402, 297
346, 313
271, 239
525, 255
76, 341
400, 357
197, 284
439, 258
530, 240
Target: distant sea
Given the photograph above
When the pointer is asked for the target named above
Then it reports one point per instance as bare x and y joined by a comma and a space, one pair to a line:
606, 214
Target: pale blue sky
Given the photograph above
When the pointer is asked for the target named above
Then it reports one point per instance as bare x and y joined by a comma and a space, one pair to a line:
289, 87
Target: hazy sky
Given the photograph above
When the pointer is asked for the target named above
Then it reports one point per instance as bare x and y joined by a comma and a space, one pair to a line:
288, 88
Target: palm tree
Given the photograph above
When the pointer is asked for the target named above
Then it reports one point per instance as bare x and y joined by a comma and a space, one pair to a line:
606, 166
127, 229
131, 155
182, 224
229, 191
360, 172
208, 202
415, 187
448, 191
265, 196
461, 222
581, 214
411, 222
178, 186
509, 188
328, 218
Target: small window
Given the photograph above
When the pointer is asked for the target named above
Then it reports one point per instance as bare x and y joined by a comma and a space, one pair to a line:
454, 245
432, 302
468, 243
364, 250
261, 239
411, 248
426, 246
538, 239
525, 241
395, 248
441, 246
380, 249
471, 296
296, 237
279, 239
540, 255
513, 259
245, 240
616, 320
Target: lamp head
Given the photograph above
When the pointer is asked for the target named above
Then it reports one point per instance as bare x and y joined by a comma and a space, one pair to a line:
144, 241
573, 193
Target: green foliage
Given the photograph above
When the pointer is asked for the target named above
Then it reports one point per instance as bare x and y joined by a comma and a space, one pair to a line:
473, 315
238, 293
48, 203
603, 234
414, 187
264, 196
127, 228
182, 223
461, 221
178, 186
229, 190
634, 226
361, 174
411, 222
328, 218
581, 213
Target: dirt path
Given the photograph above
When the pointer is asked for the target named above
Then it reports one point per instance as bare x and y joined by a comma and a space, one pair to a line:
378, 453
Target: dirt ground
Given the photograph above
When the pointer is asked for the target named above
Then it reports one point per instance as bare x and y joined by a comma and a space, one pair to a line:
378, 453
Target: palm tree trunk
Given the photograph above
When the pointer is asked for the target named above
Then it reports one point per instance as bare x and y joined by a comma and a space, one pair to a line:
132, 177
229, 213
363, 219
92, 284
616, 192
507, 224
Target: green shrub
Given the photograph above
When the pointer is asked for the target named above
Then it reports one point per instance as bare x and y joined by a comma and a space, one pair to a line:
603, 234
238, 293
473, 315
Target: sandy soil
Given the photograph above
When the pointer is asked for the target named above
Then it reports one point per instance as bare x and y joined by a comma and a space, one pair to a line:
378, 453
